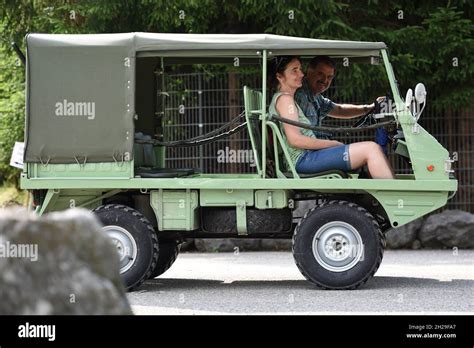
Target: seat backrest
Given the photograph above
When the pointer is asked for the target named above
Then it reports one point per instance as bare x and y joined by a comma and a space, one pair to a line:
253, 110
280, 152
277, 147
144, 154
138, 151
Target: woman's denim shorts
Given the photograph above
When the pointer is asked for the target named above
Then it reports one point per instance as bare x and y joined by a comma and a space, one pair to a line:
315, 161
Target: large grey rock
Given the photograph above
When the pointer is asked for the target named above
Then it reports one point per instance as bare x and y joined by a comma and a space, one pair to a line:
404, 236
451, 228
75, 269
227, 244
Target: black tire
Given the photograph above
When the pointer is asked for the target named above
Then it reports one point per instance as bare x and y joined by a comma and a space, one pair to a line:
169, 250
135, 235
328, 242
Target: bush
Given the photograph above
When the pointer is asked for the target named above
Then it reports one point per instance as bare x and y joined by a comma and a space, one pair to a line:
12, 112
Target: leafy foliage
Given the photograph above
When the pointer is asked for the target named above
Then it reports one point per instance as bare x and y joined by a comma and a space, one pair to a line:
12, 103
430, 41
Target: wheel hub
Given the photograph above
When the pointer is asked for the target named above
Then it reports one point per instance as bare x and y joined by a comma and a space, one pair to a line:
125, 244
337, 246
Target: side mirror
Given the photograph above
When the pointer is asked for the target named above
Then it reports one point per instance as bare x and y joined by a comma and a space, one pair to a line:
409, 99
420, 93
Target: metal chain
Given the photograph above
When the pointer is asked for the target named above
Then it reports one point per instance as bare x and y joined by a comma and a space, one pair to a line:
211, 136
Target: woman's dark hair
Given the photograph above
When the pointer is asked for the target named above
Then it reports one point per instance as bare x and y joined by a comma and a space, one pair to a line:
278, 65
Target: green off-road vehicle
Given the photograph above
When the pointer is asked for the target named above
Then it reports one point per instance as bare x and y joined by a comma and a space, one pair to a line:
94, 139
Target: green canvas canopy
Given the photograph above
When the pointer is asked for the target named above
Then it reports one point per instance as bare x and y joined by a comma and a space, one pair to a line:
80, 103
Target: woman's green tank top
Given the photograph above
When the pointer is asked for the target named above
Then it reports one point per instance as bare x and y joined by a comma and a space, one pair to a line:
295, 153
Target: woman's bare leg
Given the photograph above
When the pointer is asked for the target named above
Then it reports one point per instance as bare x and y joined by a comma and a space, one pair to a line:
370, 153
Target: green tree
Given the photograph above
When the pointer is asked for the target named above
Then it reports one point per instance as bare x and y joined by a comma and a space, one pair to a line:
12, 103
430, 41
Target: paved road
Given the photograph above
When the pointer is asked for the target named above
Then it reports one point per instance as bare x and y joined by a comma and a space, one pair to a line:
420, 282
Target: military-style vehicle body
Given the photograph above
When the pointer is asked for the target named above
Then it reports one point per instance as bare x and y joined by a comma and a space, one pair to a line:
94, 140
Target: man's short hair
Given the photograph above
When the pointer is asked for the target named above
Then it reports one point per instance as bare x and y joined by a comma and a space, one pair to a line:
313, 63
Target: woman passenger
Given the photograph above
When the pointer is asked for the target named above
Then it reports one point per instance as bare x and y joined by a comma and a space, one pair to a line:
307, 153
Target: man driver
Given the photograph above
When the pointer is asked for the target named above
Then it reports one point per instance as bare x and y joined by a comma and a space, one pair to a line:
319, 75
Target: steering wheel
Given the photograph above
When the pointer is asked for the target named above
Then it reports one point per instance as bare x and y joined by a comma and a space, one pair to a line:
368, 119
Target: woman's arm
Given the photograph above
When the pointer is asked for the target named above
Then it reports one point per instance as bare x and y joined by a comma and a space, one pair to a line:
286, 108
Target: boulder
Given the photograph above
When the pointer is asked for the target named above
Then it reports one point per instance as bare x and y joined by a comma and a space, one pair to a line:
59, 263
404, 236
451, 228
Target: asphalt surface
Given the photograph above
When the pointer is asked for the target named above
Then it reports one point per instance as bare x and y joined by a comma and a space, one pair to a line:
407, 282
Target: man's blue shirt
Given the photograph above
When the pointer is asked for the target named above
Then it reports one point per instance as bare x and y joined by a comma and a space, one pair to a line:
315, 107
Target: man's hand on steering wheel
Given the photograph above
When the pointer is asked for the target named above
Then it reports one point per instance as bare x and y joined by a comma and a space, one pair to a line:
375, 106
368, 118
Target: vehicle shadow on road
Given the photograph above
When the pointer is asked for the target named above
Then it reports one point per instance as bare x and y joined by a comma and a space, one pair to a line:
376, 283
169, 283
384, 282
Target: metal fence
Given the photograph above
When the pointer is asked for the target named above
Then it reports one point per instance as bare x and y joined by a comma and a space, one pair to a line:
200, 102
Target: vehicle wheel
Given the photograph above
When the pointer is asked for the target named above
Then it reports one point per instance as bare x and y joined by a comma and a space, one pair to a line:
169, 250
135, 240
338, 245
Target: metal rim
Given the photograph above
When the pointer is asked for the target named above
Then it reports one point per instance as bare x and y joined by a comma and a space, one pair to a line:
337, 246
125, 244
